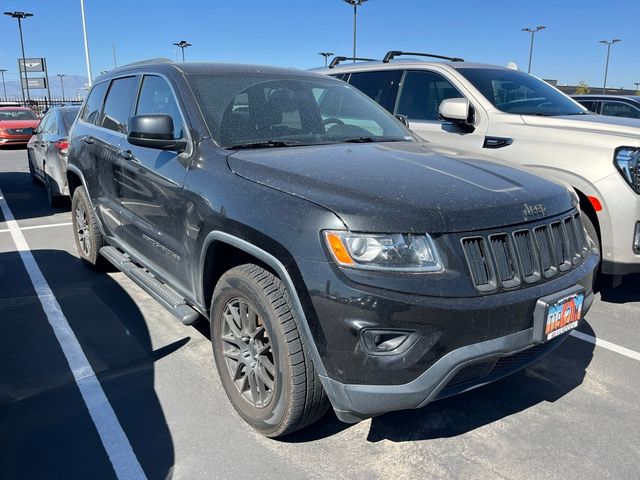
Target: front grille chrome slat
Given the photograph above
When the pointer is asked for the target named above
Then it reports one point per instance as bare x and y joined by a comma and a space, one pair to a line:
526, 255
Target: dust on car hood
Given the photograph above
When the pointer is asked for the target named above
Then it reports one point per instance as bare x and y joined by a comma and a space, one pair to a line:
628, 127
403, 186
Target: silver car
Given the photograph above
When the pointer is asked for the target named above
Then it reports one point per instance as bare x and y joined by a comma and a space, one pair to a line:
47, 151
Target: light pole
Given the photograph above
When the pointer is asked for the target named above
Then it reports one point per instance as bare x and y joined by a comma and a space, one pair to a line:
356, 4
326, 56
86, 43
608, 43
637, 84
61, 75
20, 16
182, 44
4, 87
115, 62
532, 31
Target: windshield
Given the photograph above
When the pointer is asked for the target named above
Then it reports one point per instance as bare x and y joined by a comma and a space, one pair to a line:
17, 115
517, 92
257, 111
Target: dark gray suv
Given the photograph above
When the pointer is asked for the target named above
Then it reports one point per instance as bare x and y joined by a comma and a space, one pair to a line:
338, 259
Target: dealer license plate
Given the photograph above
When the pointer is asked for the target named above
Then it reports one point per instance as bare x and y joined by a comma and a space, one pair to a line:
563, 315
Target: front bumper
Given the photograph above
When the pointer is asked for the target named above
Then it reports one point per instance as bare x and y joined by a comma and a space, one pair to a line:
460, 343
15, 140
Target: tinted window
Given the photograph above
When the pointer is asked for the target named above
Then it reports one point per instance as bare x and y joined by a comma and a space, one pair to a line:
117, 106
46, 125
244, 109
590, 105
17, 115
373, 84
93, 104
422, 93
156, 97
619, 109
69, 116
517, 92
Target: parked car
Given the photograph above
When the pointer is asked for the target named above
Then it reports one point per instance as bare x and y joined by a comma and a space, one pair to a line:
522, 120
47, 151
335, 255
611, 105
17, 125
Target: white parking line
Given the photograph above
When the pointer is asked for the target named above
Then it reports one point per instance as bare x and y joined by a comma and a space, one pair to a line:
114, 440
608, 345
35, 227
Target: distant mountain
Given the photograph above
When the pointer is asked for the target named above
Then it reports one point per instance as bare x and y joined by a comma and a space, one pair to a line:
73, 86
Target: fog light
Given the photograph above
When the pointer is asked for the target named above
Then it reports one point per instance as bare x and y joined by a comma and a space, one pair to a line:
380, 342
636, 239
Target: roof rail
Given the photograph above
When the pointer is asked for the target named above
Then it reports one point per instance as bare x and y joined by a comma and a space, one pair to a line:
337, 60
391, 54
146, 62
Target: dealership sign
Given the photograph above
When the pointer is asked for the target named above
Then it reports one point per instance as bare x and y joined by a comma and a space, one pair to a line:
32, 65
35, 83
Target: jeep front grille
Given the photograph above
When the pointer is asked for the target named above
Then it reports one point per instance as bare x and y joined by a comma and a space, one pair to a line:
525, 255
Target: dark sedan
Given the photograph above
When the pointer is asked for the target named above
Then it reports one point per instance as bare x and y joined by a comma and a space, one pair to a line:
47, 151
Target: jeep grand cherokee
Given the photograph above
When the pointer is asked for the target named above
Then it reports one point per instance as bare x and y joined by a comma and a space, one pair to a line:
338, 259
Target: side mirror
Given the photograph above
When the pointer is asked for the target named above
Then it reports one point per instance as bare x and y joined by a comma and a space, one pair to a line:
457, 111
154, 131
403, 119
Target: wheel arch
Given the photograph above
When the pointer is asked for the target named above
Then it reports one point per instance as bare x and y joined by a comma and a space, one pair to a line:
588, 209
219, 243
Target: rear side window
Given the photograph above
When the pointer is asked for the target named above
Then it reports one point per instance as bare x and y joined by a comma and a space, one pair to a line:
619, 109
422, 93
46, 125
91, 111
589, 105
377, 85
117, 106
156, 97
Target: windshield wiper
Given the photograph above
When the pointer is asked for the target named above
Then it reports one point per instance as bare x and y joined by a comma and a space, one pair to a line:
263, 144
373, 139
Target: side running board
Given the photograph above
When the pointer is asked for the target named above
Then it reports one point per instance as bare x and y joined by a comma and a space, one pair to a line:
166, 296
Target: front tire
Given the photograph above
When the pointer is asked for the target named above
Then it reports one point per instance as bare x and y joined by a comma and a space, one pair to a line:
262, 360
87, 236
593, 234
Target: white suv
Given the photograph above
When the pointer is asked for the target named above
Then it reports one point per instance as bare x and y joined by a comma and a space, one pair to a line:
516, 117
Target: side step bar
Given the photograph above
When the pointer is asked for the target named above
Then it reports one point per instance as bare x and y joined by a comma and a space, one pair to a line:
166, 296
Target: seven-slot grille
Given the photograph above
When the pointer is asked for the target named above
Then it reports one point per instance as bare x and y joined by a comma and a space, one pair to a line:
525, 255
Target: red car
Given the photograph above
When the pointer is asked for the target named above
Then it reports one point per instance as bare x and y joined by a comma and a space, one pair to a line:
17, 125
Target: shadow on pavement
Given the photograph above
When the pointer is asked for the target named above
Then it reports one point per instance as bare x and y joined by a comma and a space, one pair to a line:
628, 291
45, 427
28, 200
546, 381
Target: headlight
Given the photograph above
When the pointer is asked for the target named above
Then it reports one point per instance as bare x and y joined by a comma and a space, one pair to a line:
390, 252
626, 161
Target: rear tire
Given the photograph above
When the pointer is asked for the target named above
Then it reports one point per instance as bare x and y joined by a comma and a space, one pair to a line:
262, 360
52, 198
32, 173
86, 230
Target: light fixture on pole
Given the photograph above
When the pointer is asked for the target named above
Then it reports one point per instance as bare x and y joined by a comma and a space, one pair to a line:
532, 31
608, 43
326, 56
182, 44
61, 75
86, 43
20, 16
4, 87
356, 4
637, 84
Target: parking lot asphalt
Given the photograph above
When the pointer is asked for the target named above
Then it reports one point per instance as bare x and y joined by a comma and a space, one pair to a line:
572, 416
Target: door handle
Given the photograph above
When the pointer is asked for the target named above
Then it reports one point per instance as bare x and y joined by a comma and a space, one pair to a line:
88, 140
126, 154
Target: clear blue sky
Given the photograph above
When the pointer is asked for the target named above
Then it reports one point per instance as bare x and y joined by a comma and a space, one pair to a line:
291, 32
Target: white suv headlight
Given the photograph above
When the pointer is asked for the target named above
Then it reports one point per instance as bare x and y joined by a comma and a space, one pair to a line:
626, 161
390, 252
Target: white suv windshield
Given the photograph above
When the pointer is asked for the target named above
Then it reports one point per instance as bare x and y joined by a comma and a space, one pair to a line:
257, 111
520, 93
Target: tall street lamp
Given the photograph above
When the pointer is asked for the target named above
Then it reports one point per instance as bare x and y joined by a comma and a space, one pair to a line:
326, 55
182, 44
20, 16
637, 84
356, 4
608, 43
532, 31
61, 75
4, 87
86, 43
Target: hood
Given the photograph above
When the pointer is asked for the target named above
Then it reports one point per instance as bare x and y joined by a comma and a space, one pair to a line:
629, 127
403, 187
19, 123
